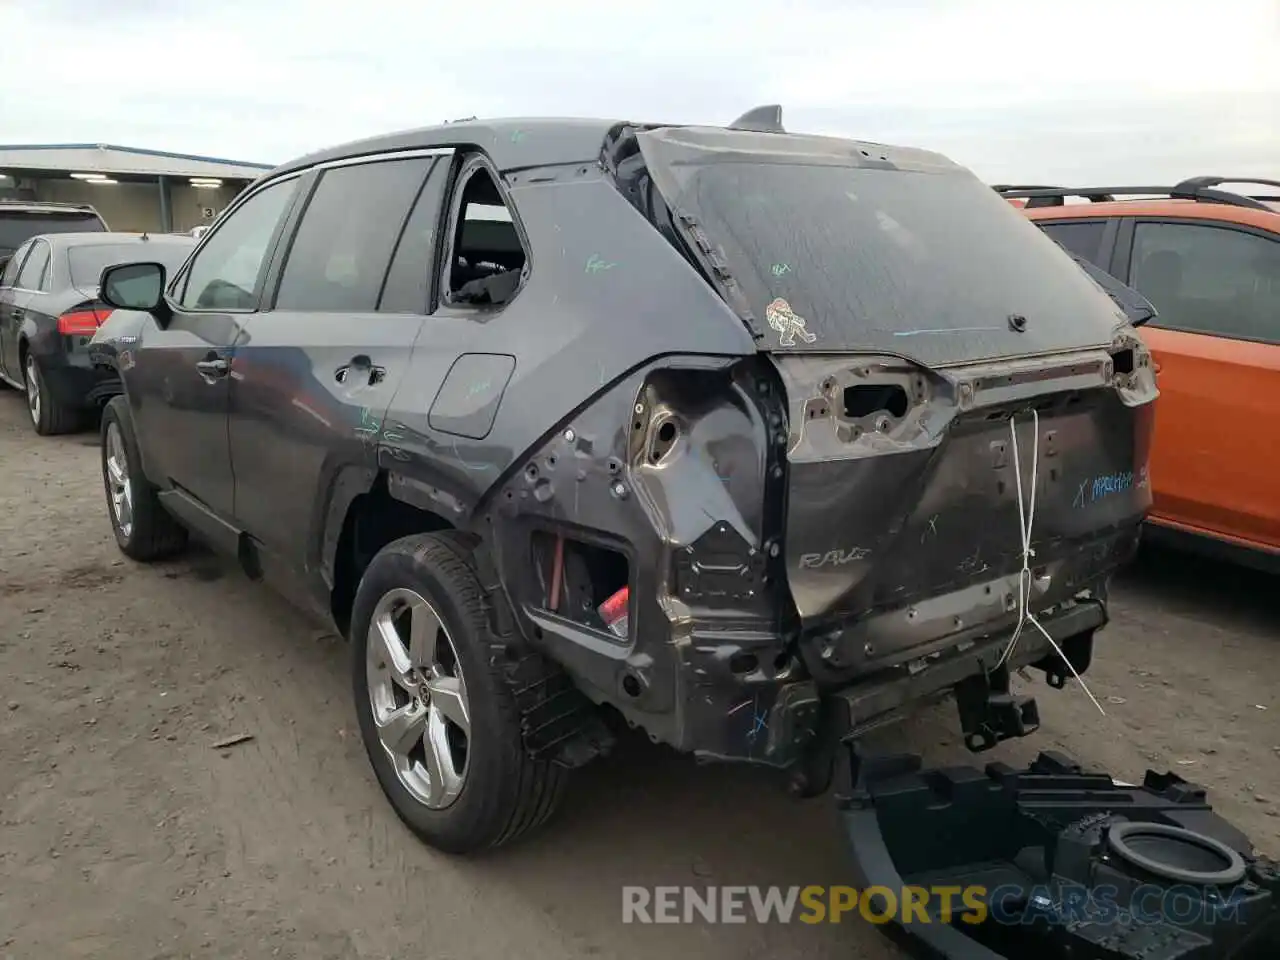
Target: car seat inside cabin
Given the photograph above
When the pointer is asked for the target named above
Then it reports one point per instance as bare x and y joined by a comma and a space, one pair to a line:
488, 256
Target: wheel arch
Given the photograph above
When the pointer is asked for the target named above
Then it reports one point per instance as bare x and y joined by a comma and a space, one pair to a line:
364, 514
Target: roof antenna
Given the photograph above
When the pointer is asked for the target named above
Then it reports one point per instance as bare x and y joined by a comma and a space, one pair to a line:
766, 119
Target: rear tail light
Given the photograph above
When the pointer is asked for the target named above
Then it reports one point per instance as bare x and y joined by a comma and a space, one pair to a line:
81, 322
614, 612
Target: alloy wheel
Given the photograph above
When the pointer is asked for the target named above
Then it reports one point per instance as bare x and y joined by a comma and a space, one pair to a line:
118, 486
419, 697
33, 390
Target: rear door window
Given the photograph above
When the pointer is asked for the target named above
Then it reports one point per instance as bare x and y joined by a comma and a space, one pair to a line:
922, 260
1208, 279
1081, 237
10, 276
35, 271
342, 248
408, 285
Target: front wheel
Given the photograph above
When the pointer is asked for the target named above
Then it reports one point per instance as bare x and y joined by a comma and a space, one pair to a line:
439, 721
144, 530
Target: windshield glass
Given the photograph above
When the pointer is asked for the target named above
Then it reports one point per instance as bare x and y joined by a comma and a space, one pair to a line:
86, 262
831, 255
16, 227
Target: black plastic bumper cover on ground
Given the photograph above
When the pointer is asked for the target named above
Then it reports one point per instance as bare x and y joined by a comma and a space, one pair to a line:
1055, 862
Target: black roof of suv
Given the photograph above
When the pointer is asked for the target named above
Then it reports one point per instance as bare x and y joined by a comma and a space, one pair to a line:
20, 220
734, 430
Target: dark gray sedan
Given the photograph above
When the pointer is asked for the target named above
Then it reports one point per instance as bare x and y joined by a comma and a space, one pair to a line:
49, 310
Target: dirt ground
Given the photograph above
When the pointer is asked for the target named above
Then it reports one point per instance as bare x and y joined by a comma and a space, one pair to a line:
126, 834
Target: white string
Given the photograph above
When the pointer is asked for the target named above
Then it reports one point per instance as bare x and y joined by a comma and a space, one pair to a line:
1026, 521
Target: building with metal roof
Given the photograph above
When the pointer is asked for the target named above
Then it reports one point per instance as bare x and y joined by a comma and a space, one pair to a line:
133, 189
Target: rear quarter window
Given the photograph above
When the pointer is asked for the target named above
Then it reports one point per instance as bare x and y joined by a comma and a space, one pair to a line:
1081, 237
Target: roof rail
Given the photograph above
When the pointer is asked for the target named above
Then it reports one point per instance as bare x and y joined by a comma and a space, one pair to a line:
1194, 188
55, 204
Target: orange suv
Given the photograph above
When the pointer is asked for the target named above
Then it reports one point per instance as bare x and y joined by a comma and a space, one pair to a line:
1208, 259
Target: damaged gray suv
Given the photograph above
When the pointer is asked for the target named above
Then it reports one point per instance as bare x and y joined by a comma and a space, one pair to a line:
751, 440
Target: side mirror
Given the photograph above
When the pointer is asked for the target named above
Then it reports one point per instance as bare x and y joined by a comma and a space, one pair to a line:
134, 286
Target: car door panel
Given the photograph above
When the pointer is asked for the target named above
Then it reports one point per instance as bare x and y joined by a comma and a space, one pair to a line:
13, 314
180, 409
12, 302
309, 397
179, 386
1212, 467
315, 372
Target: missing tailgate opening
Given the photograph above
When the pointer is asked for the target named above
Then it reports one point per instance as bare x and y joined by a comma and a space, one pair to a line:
583, 582
864, 400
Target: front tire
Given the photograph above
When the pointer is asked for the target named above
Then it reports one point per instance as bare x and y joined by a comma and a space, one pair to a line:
144, 530
48, 414
438, 720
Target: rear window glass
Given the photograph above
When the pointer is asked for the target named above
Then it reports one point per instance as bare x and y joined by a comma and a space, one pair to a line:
87, 262
927, 265
17, 228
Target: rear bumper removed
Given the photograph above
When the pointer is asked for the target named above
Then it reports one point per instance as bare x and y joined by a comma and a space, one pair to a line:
1053, 861
796, 725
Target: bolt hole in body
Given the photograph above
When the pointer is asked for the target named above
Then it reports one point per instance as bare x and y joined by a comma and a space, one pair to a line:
863, 400
631, 686
419, 698
664, 439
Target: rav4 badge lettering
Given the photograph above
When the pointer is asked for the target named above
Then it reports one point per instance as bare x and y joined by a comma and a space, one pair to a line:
833, 558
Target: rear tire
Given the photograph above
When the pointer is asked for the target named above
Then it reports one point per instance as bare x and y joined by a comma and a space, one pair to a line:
460, 790
49, 415
144, 530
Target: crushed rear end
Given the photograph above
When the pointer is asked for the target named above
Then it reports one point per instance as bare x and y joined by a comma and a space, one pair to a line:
945, 435
950, 379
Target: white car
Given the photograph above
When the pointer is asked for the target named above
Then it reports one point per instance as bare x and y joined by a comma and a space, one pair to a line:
199, 231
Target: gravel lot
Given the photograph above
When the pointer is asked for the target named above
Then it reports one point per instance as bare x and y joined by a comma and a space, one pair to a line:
127, 835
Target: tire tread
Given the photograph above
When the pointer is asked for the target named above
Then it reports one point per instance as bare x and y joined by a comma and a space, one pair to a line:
538, 784
156, 534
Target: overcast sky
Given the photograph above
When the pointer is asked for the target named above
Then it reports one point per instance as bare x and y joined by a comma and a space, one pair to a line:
1036, 91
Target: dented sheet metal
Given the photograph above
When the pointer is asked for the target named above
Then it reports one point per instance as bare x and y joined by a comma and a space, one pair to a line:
903, 525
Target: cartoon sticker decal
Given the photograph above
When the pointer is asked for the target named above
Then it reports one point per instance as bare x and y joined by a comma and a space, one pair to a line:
788, 324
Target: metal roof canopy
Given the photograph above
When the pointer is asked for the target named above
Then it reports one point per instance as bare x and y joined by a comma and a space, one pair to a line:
108, 159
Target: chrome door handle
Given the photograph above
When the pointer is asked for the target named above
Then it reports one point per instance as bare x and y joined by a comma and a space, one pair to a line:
360, 363
213, 369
